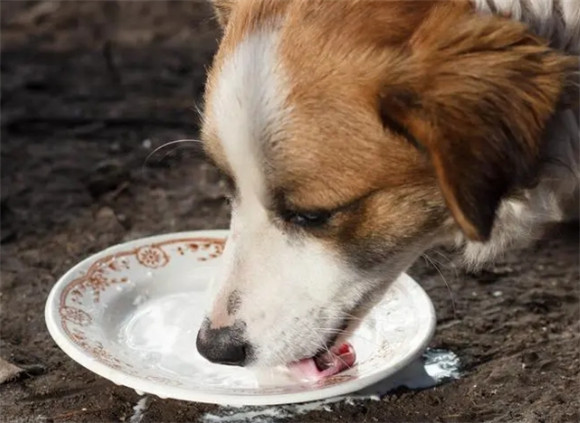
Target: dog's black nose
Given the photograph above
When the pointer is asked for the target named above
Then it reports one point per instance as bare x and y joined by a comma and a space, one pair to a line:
224, 345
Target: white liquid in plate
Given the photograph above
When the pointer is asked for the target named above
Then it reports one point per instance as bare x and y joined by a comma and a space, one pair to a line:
160, 334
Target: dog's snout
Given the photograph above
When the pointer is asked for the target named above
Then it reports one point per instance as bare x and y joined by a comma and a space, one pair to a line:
225, 345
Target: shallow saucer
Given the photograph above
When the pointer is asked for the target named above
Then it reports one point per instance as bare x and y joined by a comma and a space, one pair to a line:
131, 312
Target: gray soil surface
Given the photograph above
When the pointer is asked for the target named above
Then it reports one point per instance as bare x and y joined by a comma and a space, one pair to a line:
89, 89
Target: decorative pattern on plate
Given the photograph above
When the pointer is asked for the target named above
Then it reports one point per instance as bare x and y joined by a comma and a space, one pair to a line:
78, 298
152, 256
76, 316
98, 279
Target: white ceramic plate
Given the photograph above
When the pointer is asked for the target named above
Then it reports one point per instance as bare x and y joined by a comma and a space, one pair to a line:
131, 313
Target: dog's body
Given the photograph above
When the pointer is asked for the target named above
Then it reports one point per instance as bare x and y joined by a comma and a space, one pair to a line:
556, 195
357, 134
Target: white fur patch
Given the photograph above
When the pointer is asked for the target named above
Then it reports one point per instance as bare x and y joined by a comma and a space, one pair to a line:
292, 289
247, 104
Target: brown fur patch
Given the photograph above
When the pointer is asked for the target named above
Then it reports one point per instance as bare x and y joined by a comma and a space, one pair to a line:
367, 76
482, 90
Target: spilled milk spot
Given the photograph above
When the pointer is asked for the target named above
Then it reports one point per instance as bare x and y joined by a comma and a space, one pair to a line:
433, 368
139, 410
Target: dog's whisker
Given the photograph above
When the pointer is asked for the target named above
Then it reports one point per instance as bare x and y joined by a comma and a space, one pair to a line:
168, 144
348, 317
448, 265
446, 257
432, 262
320, 338
326, 348
179, 147
198, 110
354, 335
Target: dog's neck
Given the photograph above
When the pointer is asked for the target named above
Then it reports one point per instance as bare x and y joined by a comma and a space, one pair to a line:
554, 20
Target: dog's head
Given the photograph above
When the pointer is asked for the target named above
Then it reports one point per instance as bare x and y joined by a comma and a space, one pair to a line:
356, 135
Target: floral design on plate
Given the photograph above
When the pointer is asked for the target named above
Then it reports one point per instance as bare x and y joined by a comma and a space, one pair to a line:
76, 316
152, 256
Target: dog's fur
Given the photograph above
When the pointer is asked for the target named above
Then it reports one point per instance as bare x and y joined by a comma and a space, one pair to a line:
357, 134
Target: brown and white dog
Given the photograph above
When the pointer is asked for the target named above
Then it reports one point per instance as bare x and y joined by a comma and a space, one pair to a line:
356, 134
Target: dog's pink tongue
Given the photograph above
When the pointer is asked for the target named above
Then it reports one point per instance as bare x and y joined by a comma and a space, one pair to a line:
325, 365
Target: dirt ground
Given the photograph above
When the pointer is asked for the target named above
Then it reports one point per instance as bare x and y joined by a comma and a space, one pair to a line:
89, 89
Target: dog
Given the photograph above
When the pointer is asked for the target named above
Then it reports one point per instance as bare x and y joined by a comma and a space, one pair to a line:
357, 134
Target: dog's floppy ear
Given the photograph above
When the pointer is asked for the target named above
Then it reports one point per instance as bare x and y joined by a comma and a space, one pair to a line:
475, 93
222, 10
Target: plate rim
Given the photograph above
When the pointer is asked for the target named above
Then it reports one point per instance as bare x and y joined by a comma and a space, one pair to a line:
236, 399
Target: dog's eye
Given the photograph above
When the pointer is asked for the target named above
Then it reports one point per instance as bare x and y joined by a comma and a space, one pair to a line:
307, 219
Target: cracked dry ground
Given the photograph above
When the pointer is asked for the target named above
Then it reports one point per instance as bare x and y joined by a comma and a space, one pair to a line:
88, 89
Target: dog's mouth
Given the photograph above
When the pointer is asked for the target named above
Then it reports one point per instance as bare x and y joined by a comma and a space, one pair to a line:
336, 356
326, 363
